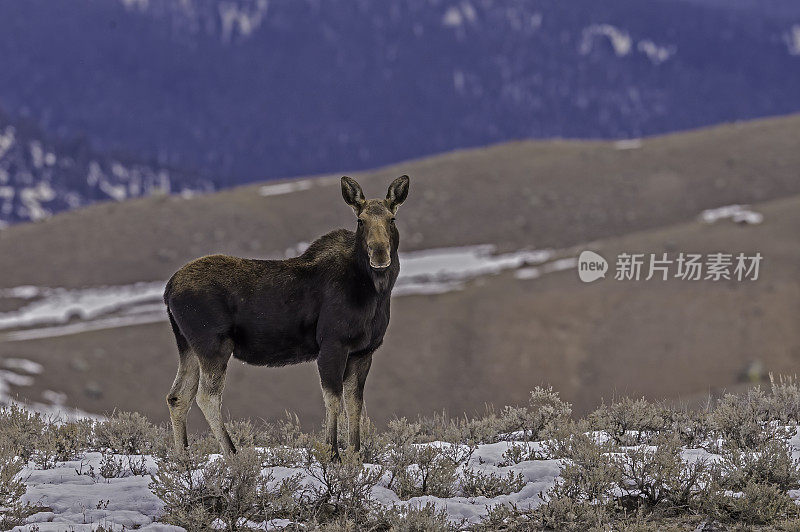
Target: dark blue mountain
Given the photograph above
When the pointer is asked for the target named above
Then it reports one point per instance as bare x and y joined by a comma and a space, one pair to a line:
41, 176
248, 90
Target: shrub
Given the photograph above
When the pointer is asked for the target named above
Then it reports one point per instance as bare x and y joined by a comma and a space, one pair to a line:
588, 471
476, 483
545, 412
12, 510
429, 473
757, 504
412, 519
769, 463
570, 515
465, 430
656, 474
785, 399
285, 432
232, 483
631, 421
21, 430
242, 432
744, 421
373, 444
520, 452
126, 433
181, 484
400, 451
506, 517
343, 488
61, 442
117, 466
692, 427
228, 490
427, 469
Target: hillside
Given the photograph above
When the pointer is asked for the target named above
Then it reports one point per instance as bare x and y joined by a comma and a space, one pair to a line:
248, 89
487, 338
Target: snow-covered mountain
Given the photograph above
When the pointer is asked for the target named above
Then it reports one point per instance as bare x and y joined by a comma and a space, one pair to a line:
253, 89
39, 177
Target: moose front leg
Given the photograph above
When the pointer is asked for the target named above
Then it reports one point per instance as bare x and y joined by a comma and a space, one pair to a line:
331, 363
355, 376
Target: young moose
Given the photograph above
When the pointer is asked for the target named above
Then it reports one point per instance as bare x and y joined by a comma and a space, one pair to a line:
330, 304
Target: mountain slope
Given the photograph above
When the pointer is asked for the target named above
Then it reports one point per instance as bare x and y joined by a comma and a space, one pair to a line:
249, 90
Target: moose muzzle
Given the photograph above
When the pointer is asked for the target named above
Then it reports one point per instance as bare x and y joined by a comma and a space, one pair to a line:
379, 256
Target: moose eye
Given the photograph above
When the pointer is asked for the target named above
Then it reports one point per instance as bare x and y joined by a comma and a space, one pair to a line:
392, 220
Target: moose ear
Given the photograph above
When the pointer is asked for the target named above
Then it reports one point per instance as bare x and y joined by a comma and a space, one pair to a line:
352, 193
398, 192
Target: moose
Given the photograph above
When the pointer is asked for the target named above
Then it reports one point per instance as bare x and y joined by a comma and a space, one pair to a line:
330, 304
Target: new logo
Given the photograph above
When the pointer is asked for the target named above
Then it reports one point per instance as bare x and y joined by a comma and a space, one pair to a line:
591, 266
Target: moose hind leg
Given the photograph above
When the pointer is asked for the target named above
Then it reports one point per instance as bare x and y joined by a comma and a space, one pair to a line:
355, 377
181, 395
209, 399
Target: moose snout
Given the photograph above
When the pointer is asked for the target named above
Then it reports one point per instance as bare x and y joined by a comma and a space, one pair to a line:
379, 256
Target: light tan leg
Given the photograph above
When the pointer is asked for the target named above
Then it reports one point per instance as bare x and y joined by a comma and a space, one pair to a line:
209, 399
352, 404
181, 395
333, 404
354, 381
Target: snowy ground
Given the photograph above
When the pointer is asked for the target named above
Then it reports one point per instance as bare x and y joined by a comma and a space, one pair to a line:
76, 501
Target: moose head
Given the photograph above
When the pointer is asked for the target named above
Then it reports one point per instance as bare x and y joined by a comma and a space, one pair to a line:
376, 231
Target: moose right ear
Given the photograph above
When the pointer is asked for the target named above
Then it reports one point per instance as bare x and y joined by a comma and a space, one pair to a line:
352, 194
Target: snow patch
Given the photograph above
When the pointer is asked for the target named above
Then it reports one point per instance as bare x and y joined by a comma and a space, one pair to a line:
555, 266
284, 188
738, 213
622, 43
457, 16
141, 5
450, 264
628, 144
21, 364
88, 326
657, 54
61, 305
32, 198
792, 40
620, 40
22, 292
241, 20
7, 137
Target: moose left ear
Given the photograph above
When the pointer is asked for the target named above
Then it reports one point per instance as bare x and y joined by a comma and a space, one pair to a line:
398, 192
